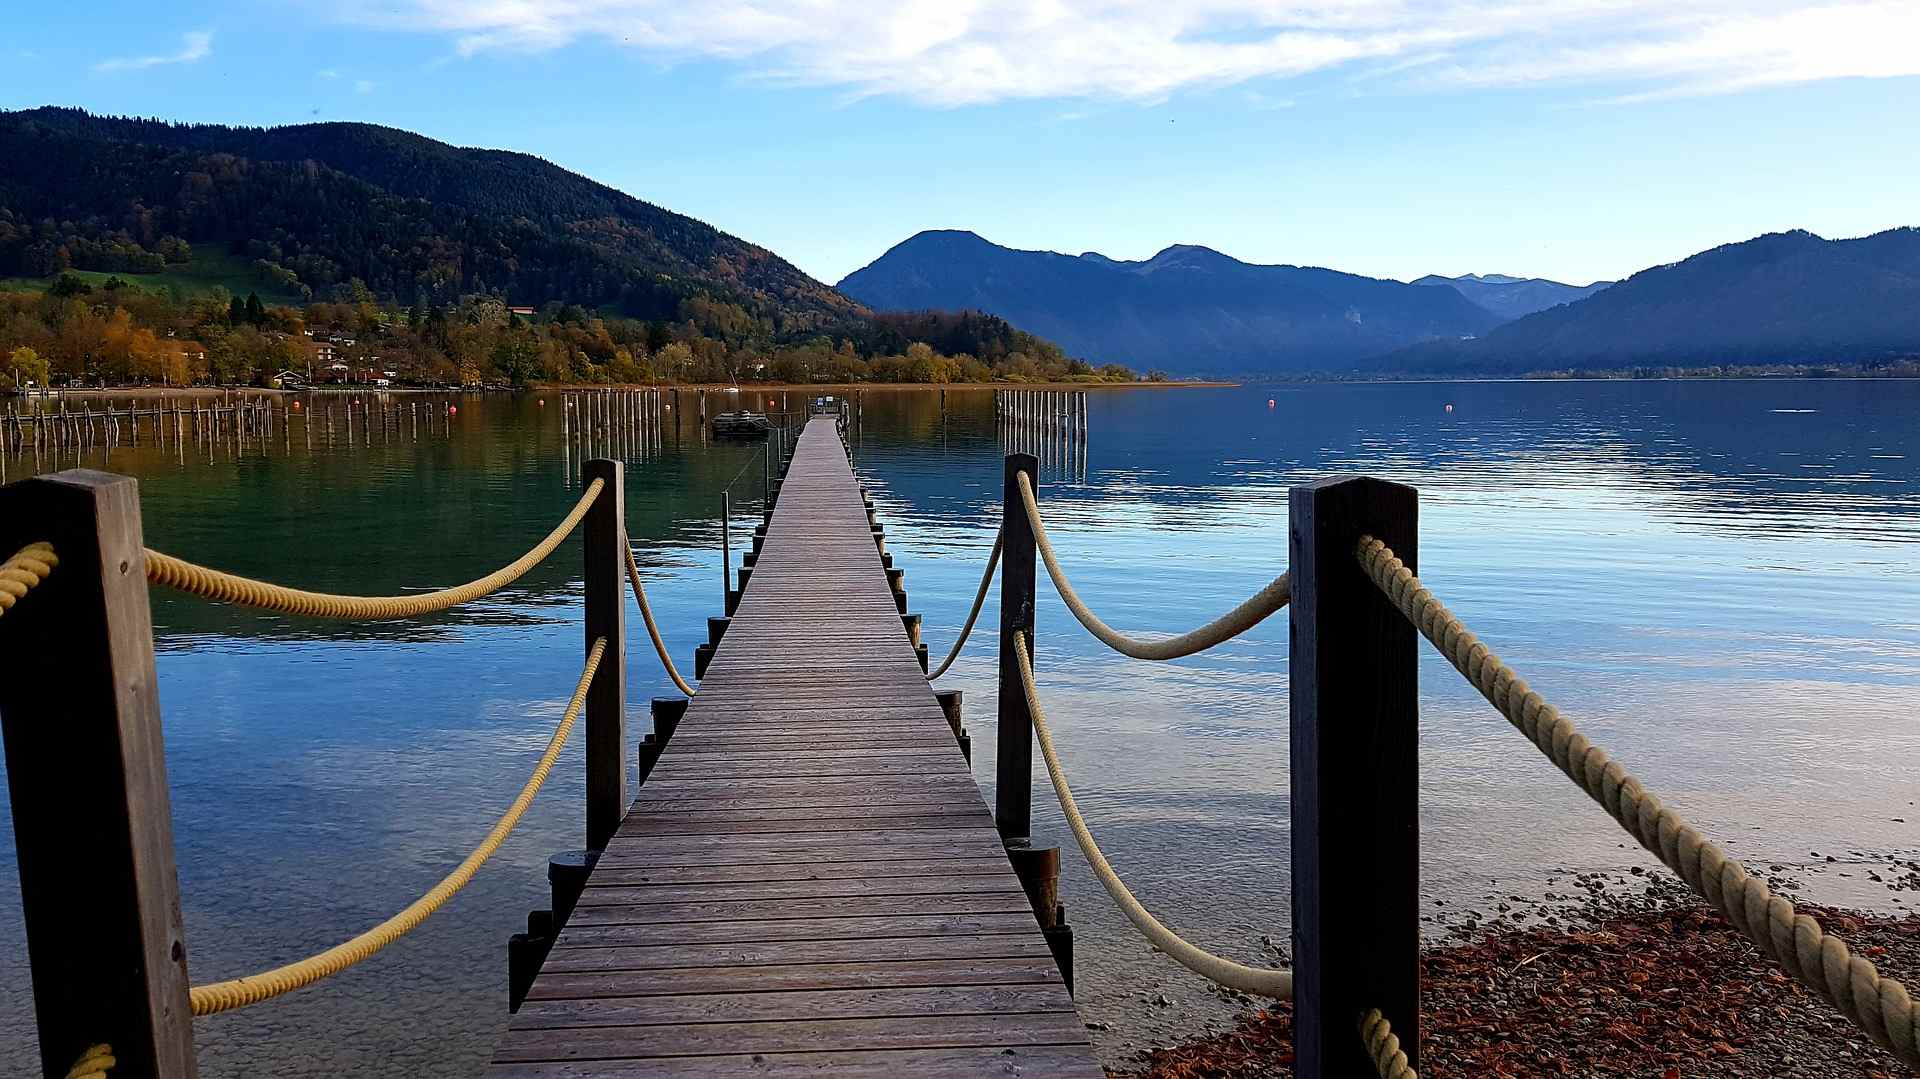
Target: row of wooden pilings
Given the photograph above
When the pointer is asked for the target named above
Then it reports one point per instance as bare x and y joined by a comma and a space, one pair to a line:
168, 421
86, 767
1065, 410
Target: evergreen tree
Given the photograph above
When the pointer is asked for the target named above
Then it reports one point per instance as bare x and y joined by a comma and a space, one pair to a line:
256, 311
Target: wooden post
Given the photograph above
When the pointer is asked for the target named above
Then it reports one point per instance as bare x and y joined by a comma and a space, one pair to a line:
606, 738
86, 768
1013, 768
726, 544
1355, 779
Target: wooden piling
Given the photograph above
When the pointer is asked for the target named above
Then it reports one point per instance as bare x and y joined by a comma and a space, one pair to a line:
1013, 768
605, 537
86, 770
1355, 779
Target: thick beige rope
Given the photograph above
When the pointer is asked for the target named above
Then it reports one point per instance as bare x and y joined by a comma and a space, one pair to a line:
979, 600
1383, 1047
1228, 626
240, 992
228, 588
1820, 960
28, 567
95, 1063
1214, 968
653, 630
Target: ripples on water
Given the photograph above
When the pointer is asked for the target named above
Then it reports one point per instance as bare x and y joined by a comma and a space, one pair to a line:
1715, 578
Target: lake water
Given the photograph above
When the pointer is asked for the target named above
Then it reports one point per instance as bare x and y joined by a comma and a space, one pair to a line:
1717, 579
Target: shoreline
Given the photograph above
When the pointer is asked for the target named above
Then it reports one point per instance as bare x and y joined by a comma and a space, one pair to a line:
225, 392
1649, 984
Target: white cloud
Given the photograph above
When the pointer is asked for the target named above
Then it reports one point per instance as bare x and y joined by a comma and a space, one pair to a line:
962, 52
364, 86
194, 47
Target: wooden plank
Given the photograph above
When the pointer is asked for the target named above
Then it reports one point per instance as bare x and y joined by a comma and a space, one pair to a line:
613, 912
850, 928
849, 872
867, 1002
1007, 1061
602, 891
809, 880
753, 954
704, 1039
779, 977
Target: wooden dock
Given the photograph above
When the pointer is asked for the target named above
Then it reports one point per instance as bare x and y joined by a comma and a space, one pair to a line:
809, 880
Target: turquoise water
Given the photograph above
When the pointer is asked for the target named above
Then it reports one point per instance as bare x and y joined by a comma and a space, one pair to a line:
1715, 578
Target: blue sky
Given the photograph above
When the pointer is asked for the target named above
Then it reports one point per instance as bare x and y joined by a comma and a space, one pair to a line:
1578, 140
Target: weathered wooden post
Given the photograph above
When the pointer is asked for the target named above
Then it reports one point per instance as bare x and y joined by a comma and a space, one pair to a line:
606, 736
1013, 768
726, 545
86, 768
1355, 779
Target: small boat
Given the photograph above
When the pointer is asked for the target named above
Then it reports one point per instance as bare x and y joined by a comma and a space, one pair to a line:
742, 424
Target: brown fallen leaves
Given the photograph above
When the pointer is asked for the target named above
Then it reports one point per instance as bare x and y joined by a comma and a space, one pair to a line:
1671, 991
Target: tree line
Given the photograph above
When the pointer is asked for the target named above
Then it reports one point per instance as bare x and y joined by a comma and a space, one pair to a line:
120, 334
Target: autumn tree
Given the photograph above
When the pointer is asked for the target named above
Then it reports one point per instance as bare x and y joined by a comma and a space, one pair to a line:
27, 367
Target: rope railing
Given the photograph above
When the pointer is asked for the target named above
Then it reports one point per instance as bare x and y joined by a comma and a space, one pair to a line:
1254, 610
26, 568
241, 992
653, 629
1217, 969
1819, 960
95, 1063
1383, 1047
979, 600
220, 587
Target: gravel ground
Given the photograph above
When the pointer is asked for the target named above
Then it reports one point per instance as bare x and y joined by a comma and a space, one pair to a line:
1645, 983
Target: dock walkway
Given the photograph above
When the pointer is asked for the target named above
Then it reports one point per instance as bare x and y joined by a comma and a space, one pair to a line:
809, 880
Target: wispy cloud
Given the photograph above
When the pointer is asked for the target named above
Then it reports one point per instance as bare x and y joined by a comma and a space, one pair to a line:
364, 86
962, 52
194, 47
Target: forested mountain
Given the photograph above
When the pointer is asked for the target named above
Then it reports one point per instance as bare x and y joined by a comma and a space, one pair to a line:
1188, 309
123, 241
333, 211
1789, 297
1513, 297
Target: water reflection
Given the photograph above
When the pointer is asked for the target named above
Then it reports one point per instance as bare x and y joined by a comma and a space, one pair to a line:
1713, 579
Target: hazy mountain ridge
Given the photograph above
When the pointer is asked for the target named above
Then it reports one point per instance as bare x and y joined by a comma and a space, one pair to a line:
1513, 297
1788, 297
1187, 309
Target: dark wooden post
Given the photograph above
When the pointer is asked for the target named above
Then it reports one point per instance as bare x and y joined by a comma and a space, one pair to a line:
1355, 779
606, 737
726, 544
86, 768
1013, 767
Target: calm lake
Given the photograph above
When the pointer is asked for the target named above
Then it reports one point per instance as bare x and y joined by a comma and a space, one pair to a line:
1717, 579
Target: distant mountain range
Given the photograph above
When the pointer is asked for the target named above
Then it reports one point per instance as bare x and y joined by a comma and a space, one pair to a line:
1188, 310
1788, 297
1781, 298
1513, 297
